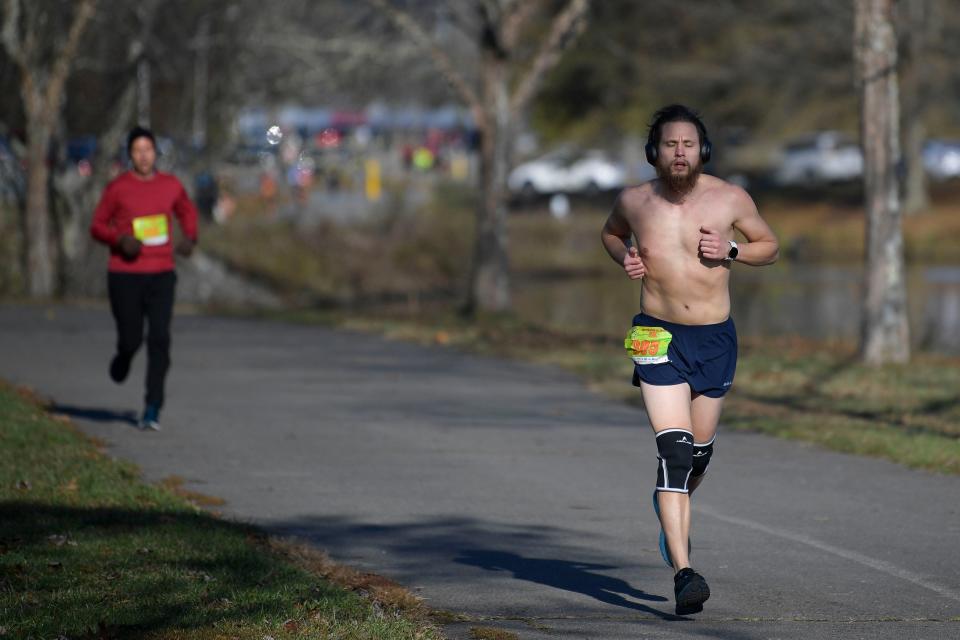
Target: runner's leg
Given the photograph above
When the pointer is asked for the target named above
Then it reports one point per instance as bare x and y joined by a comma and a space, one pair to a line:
126, 304
159, 309
705, 414
668, 407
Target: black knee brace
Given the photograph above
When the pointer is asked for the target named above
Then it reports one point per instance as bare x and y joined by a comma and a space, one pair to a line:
701, 457
675, 447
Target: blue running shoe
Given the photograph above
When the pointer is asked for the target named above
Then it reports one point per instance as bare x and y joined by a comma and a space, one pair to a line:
664, 550
151, 418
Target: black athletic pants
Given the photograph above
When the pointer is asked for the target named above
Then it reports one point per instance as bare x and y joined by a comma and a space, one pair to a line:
133, 297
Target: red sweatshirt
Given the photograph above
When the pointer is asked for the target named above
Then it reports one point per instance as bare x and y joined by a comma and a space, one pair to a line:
142, 208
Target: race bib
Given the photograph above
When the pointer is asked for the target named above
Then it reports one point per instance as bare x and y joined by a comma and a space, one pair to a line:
648, 345
152, 231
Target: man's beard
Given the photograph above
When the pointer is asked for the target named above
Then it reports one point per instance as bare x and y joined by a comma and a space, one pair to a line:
679, 183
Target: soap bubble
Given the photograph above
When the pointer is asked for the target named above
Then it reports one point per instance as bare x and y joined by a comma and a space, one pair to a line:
274, 135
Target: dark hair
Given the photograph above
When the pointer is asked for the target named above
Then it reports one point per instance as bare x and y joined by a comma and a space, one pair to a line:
674, 113
140, 132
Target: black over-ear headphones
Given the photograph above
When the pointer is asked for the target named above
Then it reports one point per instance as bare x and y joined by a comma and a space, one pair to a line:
676, 113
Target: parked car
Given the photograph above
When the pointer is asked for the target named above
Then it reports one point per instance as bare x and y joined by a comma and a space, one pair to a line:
826, 156
567, 172
941, 159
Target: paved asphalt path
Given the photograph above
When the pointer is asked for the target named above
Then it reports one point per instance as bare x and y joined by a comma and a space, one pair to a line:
507, 491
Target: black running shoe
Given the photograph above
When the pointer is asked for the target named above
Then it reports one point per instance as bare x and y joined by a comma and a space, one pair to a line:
691, 591
119, 368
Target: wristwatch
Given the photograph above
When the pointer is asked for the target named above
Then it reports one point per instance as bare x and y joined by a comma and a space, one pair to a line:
734, 250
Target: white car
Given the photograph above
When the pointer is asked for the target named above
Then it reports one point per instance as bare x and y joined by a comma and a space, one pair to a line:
827, 156
941, 159
563, 172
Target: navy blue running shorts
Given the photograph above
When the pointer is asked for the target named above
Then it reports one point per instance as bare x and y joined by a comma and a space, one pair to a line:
704, 356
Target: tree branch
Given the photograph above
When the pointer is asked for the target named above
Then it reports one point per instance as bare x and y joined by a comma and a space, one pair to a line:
566, 27
515, 20
61, 66
311, 45
121, 116
440, 58
11, 33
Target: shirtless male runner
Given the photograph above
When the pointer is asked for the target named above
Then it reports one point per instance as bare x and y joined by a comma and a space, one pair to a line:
683, 341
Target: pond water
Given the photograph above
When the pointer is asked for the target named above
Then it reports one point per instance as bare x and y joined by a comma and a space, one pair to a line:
784, 299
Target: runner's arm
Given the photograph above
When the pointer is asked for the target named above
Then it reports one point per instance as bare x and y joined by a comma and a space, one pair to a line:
616, 233
102, 228
186, 214
761, 247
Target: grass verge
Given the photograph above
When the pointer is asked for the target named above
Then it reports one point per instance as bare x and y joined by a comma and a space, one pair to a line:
792, 388
88, 550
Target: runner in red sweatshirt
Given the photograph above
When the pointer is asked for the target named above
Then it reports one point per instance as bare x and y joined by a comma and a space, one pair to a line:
135, 219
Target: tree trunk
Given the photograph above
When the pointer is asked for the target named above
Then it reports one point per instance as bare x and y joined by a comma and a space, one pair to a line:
40, 268
495, 109
885, 333
42, 85
84, 260
916, 197
490, 279
915, 98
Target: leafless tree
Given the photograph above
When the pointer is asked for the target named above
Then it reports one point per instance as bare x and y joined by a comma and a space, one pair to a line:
920, 28
885, 332
44, 64
338, 54
496, 102
78, 266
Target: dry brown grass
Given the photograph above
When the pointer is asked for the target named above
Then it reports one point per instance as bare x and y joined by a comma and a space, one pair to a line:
377, 588
489, 633
176, 484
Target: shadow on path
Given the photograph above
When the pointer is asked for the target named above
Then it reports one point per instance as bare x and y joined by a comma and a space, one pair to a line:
578, 577
444, 542
93, 414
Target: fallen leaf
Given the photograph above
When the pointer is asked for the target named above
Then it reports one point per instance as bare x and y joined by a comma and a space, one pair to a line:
70, 486
291, 625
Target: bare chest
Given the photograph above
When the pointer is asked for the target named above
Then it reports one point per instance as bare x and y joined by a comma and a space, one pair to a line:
671, 231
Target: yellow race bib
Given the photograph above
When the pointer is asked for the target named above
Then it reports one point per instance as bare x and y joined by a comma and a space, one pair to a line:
153, 230
648, 345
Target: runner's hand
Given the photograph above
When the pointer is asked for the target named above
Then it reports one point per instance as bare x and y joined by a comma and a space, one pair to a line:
633, 265
185, 247
711, 246
129, 247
